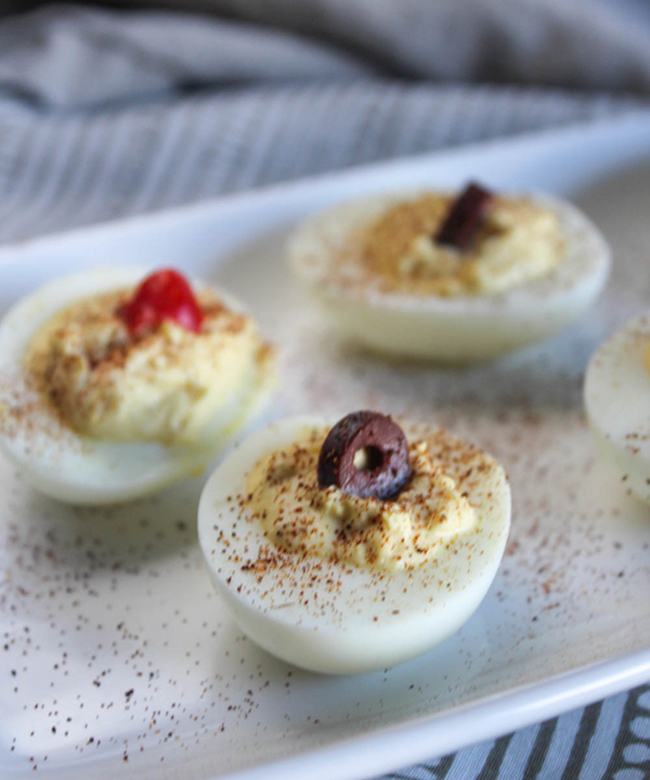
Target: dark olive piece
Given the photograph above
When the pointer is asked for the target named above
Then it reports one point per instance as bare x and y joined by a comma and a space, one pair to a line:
465, 218
366, 454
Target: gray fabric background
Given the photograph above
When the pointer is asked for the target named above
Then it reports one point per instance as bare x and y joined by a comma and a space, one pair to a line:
587, 44
105, 114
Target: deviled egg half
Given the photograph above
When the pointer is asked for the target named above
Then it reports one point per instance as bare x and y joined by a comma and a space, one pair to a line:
352, 548
617, 401
431, 275
115, 383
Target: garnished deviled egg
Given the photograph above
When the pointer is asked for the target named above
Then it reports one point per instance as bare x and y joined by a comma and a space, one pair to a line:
114, 383
461, 278
617, 400
352, 548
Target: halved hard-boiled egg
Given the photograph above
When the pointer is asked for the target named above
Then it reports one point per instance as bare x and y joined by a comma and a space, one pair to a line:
353, 548
617, 401
431, 275
114, 383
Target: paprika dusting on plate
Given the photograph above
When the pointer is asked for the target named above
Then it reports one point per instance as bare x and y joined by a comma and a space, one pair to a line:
164, 295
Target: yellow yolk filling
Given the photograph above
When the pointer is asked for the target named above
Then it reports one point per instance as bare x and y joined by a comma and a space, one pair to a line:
519, 242
166, 386
298, 516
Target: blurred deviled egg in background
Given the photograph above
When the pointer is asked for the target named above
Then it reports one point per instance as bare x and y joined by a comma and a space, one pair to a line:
617, 401
456, 279
114, 383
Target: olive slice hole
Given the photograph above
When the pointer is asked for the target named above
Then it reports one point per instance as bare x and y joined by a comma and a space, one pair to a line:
368, 459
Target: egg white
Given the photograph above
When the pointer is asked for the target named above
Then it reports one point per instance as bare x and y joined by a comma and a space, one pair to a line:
452, 330
617, 401
333, 618
80, 470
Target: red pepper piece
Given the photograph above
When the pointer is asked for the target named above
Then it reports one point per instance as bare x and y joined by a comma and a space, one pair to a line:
164, 295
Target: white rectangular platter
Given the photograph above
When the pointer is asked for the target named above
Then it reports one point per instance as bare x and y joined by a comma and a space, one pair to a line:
118, 660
